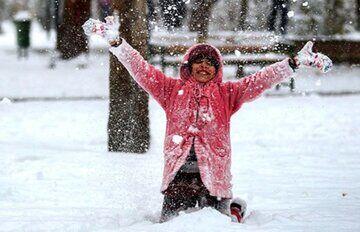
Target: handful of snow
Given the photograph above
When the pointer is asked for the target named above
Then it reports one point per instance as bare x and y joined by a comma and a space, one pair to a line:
318, 60
109, 29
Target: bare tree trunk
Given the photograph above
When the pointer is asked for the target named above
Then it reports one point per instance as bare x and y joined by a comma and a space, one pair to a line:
358, 14
200, 16
71, 40
232, 14
334, 19
2, 11
243, 14
128, 125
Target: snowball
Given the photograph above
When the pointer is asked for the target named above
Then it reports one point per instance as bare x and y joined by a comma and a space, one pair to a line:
180, 92
177, 139
290, 14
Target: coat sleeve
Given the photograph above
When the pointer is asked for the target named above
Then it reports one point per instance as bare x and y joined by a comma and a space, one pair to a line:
153, 81
250, 87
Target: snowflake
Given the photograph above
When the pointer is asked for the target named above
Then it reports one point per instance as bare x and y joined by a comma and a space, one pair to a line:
290, 14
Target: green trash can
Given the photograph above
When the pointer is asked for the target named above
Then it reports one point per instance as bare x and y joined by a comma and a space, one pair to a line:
23, 33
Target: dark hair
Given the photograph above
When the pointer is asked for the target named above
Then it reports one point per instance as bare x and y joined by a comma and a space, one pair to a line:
201, 56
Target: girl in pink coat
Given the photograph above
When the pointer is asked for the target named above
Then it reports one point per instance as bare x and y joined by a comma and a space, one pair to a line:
198, 108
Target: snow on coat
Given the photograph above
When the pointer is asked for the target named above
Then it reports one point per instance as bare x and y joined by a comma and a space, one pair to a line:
199, 113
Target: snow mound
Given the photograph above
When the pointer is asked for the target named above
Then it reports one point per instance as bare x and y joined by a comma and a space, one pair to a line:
206, 219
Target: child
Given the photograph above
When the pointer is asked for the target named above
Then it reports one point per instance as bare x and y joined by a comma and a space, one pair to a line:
198, 109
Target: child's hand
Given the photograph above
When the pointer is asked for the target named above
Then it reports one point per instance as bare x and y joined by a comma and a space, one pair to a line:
108, 30
307, 57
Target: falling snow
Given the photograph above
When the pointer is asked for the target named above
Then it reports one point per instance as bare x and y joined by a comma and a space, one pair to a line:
294, 157
291, 14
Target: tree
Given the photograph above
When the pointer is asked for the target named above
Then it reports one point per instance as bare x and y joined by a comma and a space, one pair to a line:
243, 14
334, 18
308, 22
358, 14
200, 17
128, 125
71, 40
2, 11
236, 14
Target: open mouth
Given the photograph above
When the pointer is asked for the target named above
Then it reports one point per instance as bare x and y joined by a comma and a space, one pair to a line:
203, 72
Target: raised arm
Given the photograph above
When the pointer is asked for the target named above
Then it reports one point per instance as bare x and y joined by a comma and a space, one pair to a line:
146, 75
250, 87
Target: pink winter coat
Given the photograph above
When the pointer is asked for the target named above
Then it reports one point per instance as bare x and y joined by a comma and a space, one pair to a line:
199, 113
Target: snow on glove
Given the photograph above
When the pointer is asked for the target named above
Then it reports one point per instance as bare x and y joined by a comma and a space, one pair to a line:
309, 58
109, 29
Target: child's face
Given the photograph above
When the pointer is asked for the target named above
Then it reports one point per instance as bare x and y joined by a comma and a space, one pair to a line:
203, 70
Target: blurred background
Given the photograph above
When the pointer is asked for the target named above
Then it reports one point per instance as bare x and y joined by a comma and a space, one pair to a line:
226, 21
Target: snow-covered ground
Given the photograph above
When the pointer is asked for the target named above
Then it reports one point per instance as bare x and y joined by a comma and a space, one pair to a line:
295, 159
295, 162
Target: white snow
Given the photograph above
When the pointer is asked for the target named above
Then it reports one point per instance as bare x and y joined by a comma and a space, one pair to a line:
22, 16
291, 13
193, 129
295, 160
5, 100
177, 139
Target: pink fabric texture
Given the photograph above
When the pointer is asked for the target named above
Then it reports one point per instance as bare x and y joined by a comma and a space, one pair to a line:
199, 113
